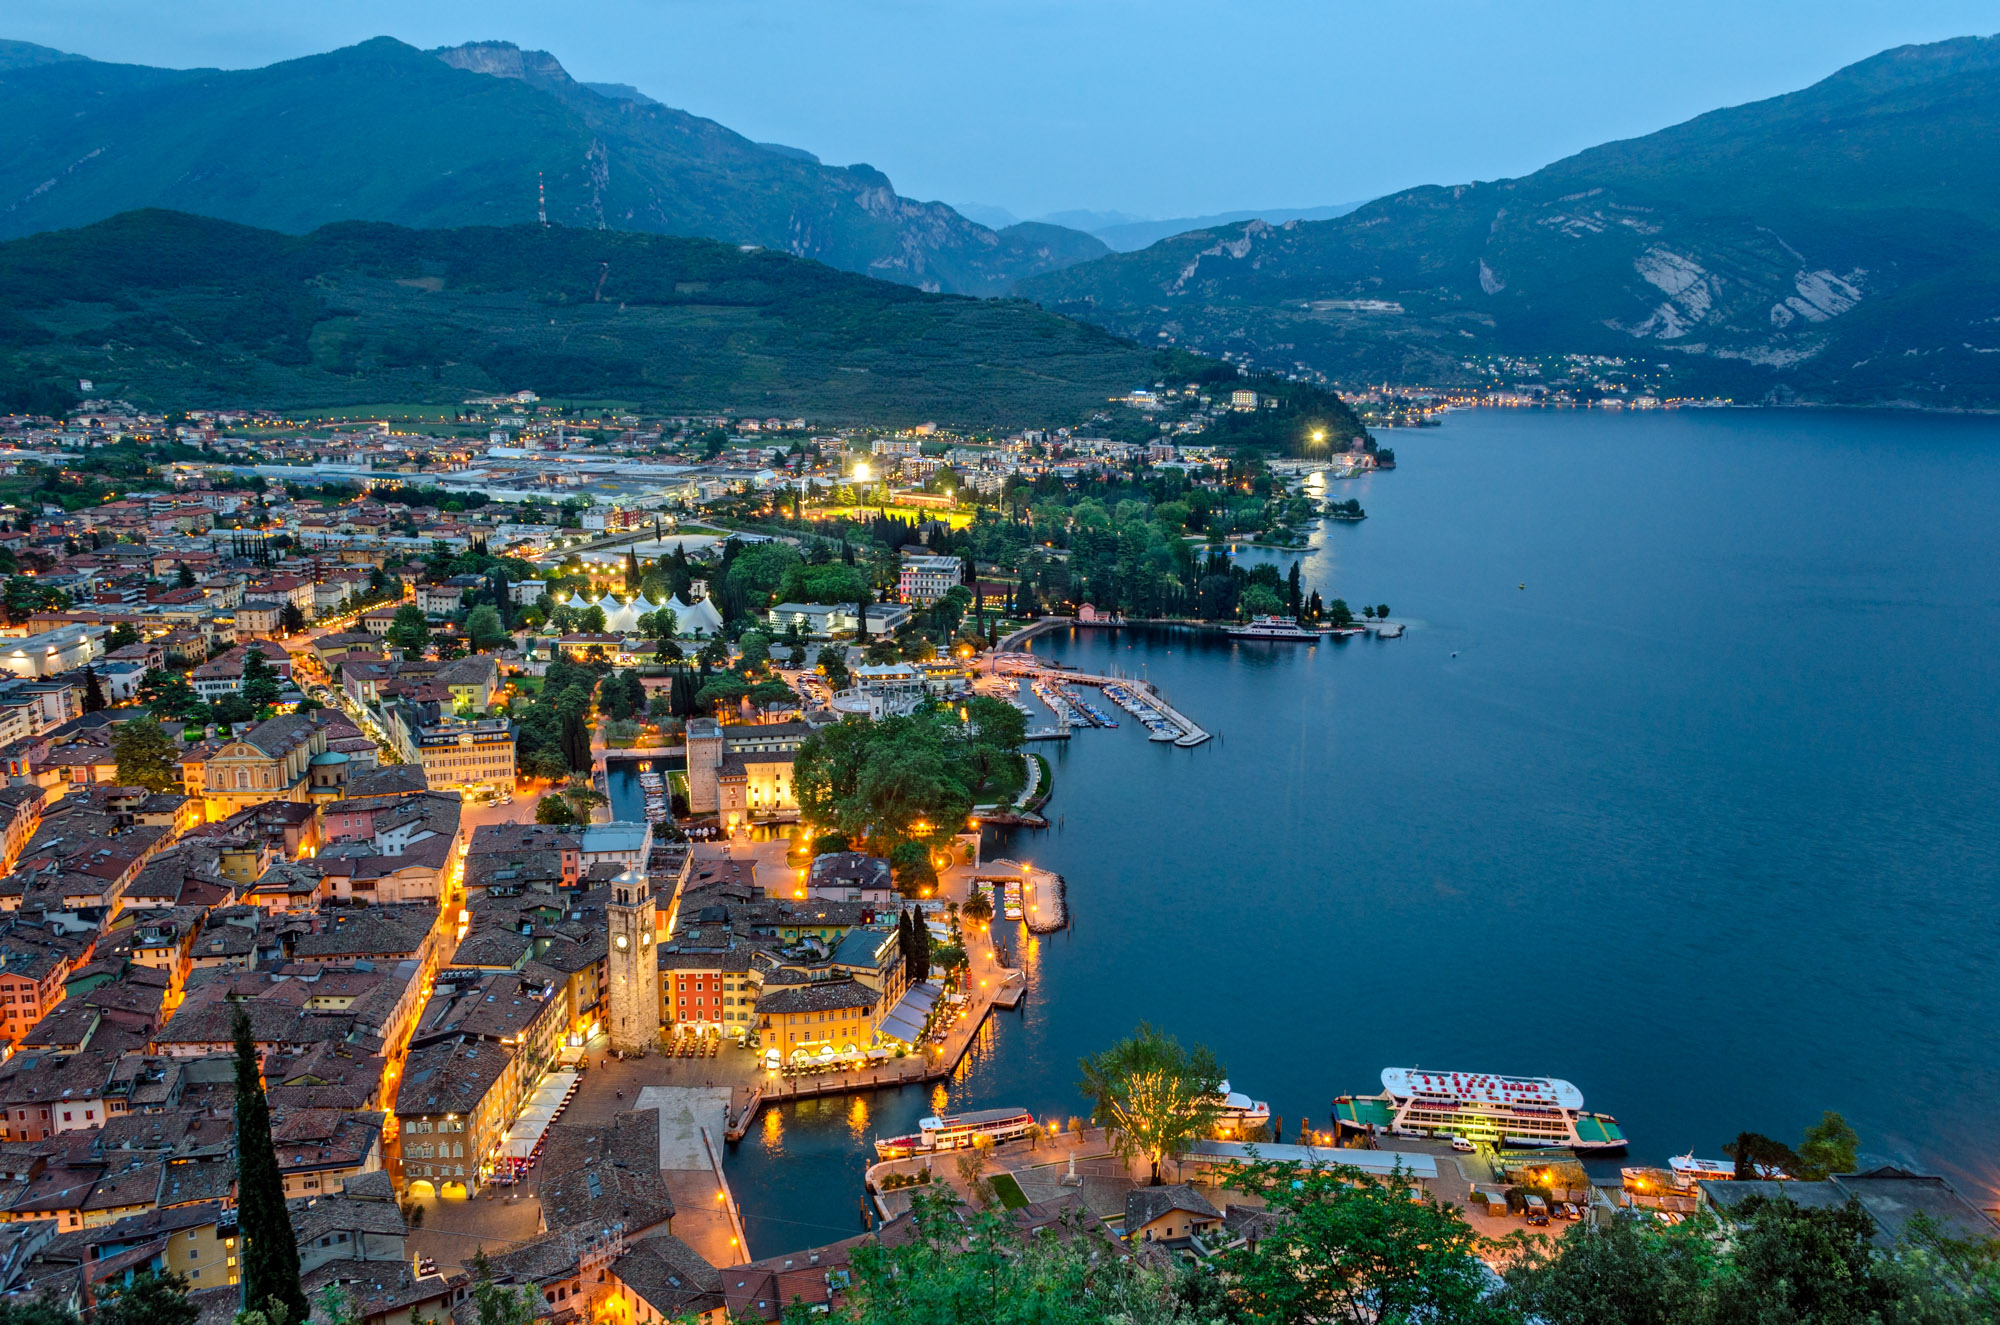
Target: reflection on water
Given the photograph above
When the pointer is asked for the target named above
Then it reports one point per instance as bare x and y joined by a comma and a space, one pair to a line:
774, 1131
857, 1117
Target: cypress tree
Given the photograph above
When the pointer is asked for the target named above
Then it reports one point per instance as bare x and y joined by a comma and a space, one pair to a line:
270, 1249
920, 943
905, 940
93, 692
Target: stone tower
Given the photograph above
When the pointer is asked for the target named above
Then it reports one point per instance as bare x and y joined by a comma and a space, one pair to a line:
633, 1000
704, 758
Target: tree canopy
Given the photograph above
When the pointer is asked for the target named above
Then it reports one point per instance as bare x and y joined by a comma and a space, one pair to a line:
1153, 1094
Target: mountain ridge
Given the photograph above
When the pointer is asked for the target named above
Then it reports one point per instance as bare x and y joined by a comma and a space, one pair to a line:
172, 310
383, 131
1803, 246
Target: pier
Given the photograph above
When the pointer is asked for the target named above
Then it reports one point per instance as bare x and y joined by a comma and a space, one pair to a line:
1035, 670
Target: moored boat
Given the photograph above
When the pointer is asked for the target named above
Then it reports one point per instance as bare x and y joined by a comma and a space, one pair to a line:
1273, 628
956, 1132
1503, 1111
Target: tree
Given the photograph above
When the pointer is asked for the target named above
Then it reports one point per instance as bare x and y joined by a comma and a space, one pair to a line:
1154, 1095
1350, 1247
93, 692
906, 944
484, 629
978, 907
122, 635
150, 1299
184, 576
290, 619
1829, 1147
24, 596
410, 632
44, 1310
1382, 611
1622, 1271
495, 1304
1796, 1263
270, 1258
260, 681
146, 756
553, 808
1753, 1152
755, 650
832, 661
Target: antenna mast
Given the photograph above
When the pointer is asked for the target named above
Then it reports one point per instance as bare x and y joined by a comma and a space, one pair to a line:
541, 200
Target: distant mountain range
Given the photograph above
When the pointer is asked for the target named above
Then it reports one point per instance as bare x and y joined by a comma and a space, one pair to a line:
1835, 244
1123, 232
171, 310
383, 131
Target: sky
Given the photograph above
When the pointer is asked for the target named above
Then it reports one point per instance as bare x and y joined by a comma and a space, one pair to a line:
1155, 108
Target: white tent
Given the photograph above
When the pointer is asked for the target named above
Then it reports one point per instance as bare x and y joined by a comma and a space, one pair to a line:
695, 619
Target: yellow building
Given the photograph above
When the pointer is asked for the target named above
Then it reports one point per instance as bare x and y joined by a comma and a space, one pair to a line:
461, 755
266, 763
818, 1017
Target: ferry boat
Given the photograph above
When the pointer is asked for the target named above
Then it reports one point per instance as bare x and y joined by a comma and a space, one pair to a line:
1480, 1106
1274, 627
956, 1132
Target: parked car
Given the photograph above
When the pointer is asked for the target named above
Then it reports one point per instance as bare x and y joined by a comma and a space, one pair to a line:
1569, 1210
1462, 1145
1537, 1209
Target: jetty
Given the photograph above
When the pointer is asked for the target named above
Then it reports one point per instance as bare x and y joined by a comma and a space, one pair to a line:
1048, 681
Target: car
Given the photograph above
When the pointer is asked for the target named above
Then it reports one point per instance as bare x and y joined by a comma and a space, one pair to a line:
1462, 1145
1569, 1210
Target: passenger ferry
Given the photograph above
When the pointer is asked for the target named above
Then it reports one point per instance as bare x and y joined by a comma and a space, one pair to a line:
1479, 1106
1274, 627
957, 1132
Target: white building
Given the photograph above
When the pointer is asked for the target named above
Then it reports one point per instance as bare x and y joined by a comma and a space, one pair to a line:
53, 651
926, 579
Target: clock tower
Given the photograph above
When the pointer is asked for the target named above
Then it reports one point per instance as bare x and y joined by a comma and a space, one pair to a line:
633, 999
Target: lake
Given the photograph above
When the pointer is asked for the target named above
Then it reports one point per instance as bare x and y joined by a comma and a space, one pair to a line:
1684, 785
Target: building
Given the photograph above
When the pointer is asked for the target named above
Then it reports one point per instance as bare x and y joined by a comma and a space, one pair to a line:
453, 1108
743, 769
925, 579
259, 617
224, 675
465, 756
53, 651
270, 762
817, 1019
851, 876
1896, 1199
633, 993
1172, 1213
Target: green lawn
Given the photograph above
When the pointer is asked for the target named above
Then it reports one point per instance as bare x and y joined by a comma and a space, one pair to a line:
1009, 1191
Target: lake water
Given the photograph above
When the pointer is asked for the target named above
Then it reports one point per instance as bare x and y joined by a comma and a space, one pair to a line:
1684, 785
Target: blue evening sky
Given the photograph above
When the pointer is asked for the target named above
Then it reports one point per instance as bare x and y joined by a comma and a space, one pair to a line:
1157, 108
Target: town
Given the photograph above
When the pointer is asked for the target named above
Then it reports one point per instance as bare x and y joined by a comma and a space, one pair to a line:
494, 815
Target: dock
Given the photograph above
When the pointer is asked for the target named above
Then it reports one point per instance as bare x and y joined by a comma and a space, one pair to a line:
1027, 666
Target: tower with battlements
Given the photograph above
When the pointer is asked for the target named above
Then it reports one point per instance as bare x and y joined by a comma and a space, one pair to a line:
632, 1002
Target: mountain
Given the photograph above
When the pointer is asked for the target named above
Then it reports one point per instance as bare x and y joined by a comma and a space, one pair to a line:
1129, 236
383, 131
174, 311
1835, 244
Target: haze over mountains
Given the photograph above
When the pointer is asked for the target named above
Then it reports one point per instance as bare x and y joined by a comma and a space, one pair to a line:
383, 131
1835, 244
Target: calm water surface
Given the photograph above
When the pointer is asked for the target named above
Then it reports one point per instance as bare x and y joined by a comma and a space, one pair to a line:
1703, 818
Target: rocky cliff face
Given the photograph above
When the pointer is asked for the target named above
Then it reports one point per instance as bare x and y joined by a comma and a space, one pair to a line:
1835, 243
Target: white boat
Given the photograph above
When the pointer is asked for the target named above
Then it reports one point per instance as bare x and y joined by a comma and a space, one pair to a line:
1688, 1170
1238, 1112
957, 1132
1275, 628
1480, 1106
